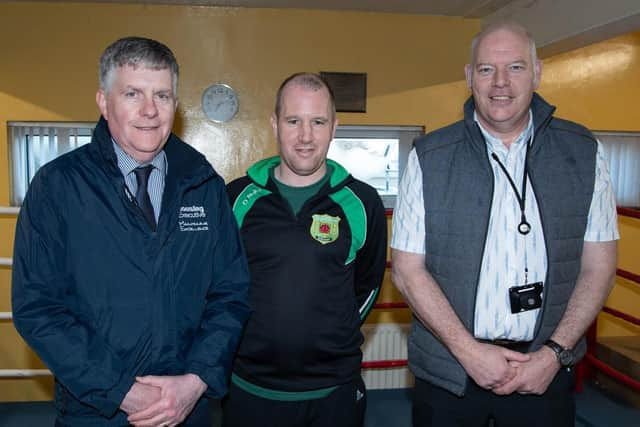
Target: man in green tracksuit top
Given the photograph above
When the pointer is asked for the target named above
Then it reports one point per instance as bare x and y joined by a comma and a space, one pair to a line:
315, 239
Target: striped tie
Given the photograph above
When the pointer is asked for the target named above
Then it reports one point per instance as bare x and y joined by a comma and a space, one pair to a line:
142, 195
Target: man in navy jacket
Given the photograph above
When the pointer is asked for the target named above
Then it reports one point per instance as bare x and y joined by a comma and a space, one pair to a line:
129, 277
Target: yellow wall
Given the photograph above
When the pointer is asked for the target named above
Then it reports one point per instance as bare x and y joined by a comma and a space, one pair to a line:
597, 85
414, 66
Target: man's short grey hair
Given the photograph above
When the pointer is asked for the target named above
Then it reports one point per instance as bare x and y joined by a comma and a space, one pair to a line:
310, 81
137, 52
512, 26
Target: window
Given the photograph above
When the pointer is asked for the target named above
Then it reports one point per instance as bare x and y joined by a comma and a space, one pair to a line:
622, 152
376, 155
32, 144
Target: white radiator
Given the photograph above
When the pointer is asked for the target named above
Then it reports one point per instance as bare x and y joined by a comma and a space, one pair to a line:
386, 342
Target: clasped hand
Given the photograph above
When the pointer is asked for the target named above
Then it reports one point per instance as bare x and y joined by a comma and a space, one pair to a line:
505, 371
533, 376
162, 400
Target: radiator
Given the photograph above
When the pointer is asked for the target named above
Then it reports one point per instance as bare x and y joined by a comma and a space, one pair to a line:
385, 342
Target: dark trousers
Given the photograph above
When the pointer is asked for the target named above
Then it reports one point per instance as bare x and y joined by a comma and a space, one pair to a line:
201, 416
344, 407
436, 407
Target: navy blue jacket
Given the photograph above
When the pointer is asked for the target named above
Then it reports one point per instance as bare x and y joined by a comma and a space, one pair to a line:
101, 298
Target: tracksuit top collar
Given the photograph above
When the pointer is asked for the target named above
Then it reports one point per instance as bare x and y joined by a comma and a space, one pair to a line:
259, 174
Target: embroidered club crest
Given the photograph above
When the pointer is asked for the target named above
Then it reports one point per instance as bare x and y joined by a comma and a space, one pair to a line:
324, 228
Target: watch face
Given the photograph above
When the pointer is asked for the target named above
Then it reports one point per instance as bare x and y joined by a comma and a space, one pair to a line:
220, 102
566, 358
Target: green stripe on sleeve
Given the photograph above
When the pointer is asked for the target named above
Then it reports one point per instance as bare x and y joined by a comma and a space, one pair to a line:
366, 307
356, 217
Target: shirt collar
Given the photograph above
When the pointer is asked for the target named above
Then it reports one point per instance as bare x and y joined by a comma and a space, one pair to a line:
127, 164
496, 144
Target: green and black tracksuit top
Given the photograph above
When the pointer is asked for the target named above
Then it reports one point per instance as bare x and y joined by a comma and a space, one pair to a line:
314, 278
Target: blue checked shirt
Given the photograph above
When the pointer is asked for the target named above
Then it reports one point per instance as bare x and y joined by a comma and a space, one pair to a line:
507, 252
155, 187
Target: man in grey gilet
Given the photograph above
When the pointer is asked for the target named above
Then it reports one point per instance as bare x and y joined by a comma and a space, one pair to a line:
504, 245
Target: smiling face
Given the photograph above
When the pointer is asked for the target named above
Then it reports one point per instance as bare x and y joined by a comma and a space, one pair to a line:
304, 129
503, 77
139, 105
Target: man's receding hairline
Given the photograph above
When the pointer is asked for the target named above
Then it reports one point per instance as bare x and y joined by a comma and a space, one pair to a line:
307, 81
508, 26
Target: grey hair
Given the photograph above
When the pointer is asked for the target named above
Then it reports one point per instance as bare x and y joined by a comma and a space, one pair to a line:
512, 26
311, 81
135, 52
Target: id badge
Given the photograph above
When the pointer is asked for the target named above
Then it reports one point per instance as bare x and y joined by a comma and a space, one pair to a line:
526, 297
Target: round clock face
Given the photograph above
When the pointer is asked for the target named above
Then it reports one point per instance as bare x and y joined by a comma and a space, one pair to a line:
220, 102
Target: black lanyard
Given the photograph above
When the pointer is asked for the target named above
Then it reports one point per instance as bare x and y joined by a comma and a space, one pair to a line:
524, 227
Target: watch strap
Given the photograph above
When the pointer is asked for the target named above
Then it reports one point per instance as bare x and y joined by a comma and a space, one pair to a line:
557, 348
564, 355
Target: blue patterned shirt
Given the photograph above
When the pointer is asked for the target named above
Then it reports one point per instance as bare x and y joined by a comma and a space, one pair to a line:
155, 187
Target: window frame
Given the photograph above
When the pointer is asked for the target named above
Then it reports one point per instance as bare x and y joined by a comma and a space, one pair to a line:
405, 134
601, 136
25, 172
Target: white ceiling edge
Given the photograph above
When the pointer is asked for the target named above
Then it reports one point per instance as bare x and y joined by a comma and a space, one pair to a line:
562, 25
457, 8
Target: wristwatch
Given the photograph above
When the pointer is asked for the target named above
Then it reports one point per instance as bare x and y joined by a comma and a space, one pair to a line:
565, 355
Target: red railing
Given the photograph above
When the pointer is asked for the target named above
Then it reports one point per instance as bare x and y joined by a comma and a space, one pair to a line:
621, 315
388, 305
633, 213
590, 360
610, 372
380, 364
628, 275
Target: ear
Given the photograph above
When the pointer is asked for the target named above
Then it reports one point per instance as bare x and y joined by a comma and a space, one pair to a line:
101, 100
538, 75
468, 72
274, 125
335, 126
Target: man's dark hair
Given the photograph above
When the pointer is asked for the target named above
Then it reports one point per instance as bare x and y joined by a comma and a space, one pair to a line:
136, 52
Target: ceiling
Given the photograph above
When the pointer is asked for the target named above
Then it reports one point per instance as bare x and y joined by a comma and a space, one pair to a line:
463, 8
557, 25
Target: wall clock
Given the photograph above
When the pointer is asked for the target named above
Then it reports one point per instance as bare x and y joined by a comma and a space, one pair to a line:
220, 102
